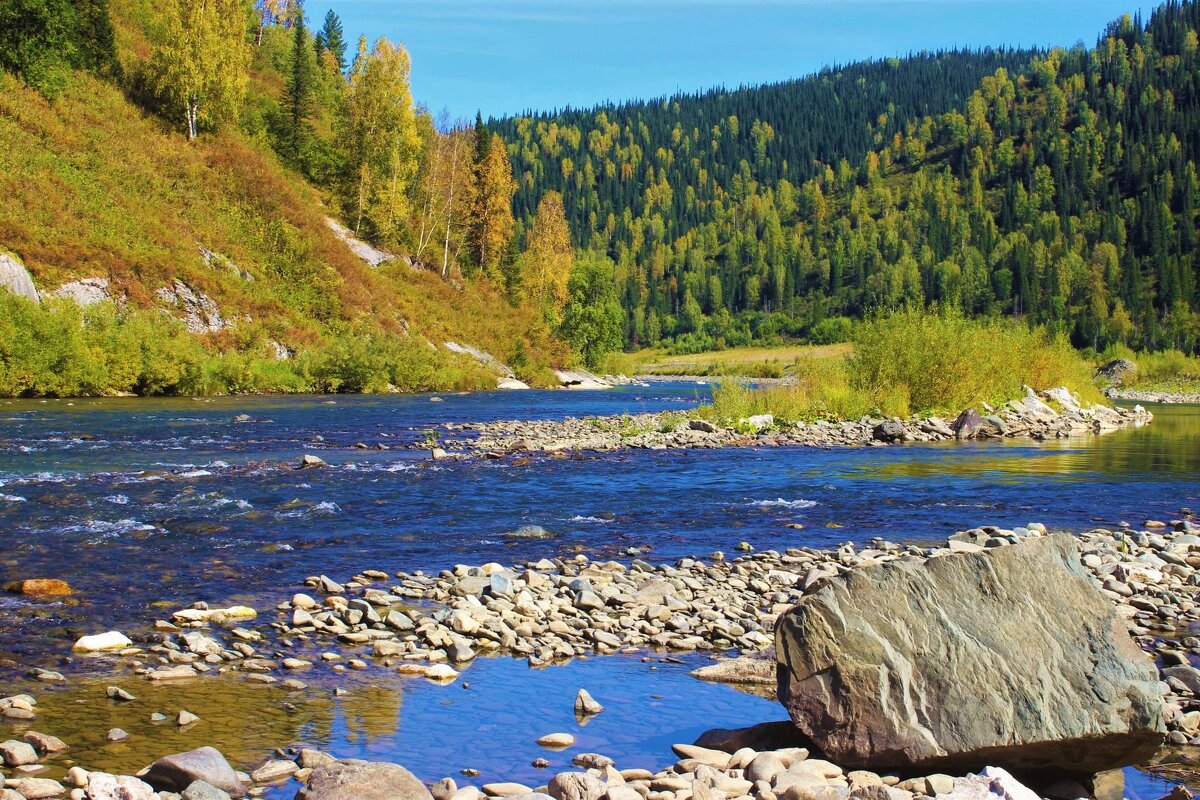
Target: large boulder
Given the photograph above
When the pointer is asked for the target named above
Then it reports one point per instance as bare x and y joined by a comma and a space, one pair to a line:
1116, 371
363, 780
1010, 657
177, 772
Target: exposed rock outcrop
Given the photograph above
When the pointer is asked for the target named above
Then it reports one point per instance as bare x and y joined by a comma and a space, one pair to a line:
1008, 656
85, 292
580, 379
486, 359
222, 262
363, 250
1117, 370
200, 312
16, 279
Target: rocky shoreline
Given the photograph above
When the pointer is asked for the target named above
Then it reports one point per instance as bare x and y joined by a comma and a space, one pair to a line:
433, 626
1052, 414
1171, 398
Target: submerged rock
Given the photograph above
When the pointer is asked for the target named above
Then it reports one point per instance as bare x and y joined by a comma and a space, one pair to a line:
38, 587
363, 780
1010, 656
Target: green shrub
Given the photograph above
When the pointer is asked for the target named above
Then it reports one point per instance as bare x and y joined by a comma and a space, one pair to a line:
946, 362
1169, 370
916, 362
832, 330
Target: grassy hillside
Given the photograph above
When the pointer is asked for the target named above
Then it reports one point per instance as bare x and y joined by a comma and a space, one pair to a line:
92, 186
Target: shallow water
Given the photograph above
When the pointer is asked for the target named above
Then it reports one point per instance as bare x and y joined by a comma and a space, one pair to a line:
147, 505
434, 729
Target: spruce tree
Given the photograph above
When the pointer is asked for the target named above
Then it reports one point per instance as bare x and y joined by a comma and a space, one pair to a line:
333, 39
299, 97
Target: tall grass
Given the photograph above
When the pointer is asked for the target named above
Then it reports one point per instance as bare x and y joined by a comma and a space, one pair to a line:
917, 362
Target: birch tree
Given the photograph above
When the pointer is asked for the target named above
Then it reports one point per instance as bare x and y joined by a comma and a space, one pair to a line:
384, 141
202, 63
445, 193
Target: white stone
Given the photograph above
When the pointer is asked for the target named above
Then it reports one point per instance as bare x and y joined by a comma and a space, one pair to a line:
113, 640
102, 786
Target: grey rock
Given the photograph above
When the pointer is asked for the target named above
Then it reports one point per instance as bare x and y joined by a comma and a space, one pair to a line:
44, 743
85, 292
202, 790
889, 431
363, 780
1011, 656
967, 425
174, 773
200, 312
36, 788
757, 668
16, 279
16, 754
274, 771
1116, 371
764, 767
586, 704
1187, 675
763, 736
575, 786
372, 255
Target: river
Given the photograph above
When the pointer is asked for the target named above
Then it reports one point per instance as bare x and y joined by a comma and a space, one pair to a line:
147, 505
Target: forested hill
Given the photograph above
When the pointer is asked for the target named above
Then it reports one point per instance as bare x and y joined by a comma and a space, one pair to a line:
1064, 192
201, 159
605, 158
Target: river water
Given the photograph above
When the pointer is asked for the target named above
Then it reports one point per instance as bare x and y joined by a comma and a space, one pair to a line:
145, 506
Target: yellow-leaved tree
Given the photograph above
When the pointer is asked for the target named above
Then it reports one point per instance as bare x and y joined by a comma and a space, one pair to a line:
549, 256
384, 142
201, 65
494, 221
444, 192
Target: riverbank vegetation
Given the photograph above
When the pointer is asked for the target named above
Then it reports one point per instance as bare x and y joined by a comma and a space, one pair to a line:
1168, 371
745, 362
915, 362
58, 349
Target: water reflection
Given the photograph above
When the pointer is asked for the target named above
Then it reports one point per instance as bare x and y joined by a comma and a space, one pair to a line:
488, 720
1170, 446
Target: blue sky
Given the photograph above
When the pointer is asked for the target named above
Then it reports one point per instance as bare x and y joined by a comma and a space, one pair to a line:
507, 56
